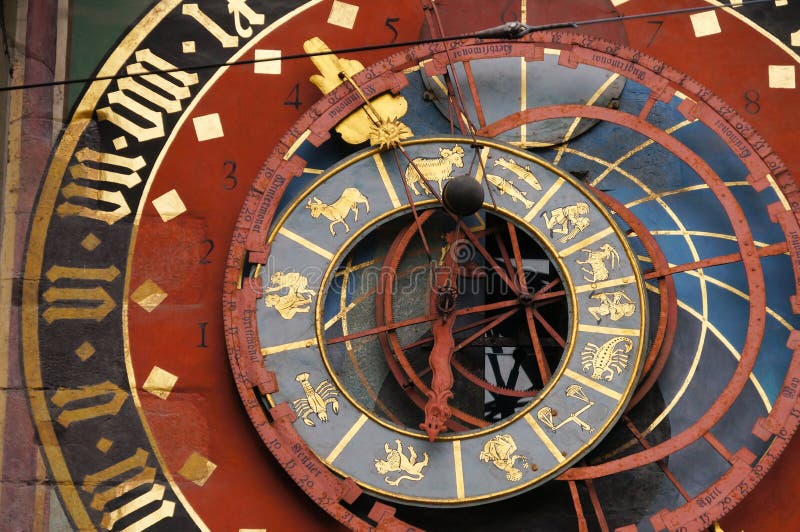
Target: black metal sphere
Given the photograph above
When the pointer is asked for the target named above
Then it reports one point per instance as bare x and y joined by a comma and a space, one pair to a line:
463, 195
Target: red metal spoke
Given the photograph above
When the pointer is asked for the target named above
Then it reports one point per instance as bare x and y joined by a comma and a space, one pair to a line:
417, 218
767, 251
488, 307
598, 509
473, 89
549, 328
719, 447
488, 257
380, 329
661, 463
463, 328
504, 253
497, 320
576, 502
546, 288
512, 235
541, 359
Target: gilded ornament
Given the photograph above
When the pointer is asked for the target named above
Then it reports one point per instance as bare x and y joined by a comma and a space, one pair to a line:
397, 462
316, 400
607, 358
500, 452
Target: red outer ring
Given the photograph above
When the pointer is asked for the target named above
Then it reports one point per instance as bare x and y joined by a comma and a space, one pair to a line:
260, 205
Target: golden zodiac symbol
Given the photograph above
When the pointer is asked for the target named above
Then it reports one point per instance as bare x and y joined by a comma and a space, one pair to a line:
607, 358
337, 211
522, 173
316, 400
597, 270
546, 414
616, 305
297, 299
434, 169
506, 187
396, 461
568, 220
500, 452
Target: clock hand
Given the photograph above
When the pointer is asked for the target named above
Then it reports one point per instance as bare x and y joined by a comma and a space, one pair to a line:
443, 301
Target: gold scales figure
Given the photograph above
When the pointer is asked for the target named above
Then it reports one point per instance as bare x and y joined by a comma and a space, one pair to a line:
546, 414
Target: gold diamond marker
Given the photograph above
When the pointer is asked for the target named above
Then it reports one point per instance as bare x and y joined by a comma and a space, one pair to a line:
343, 14
84, 351
782, 77
208, 127
91, 242
104, 444
149, 295
267, 67
188, 47
120, 143
160, 382
197, 469
169, 205
705, 24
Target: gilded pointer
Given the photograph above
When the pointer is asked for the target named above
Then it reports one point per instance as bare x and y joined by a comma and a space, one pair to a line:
546, 414
616, 305
377, 120
568, 220
297, 297
316, 400
506, 187
434, 169
596, 261
500, 452
607, 358
397, 461
521, 172
337, 211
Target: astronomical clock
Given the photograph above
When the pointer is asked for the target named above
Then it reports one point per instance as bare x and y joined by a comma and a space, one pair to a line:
423, 265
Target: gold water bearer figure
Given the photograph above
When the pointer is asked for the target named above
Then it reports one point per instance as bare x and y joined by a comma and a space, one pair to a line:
607, 358
615, 305
337, 211
598, 263
575, 391
397, 462
523, 173
316, 400
568, 220
288, 294
500, 452
506, 187
436, 169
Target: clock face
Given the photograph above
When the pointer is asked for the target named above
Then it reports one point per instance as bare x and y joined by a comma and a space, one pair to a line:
617, 309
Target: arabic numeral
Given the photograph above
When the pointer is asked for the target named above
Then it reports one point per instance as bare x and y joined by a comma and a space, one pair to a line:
752, 104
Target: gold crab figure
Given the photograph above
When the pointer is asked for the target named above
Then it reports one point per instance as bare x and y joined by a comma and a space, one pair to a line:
607, 358
500, 452
316, 400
